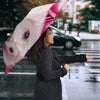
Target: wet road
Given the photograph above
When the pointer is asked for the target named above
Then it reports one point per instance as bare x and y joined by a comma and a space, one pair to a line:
85, 77
84, 82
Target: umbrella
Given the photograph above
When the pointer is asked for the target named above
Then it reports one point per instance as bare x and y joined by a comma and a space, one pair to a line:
27, 32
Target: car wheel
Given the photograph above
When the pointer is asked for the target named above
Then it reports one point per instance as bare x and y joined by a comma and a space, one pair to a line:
68, 45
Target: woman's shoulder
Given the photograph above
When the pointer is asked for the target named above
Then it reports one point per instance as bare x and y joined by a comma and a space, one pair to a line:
54, 52
46, 51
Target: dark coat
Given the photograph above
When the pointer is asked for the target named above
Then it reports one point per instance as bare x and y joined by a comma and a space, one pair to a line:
49, 71
70, 27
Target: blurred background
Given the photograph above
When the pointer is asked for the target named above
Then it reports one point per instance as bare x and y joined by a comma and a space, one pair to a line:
83, 12
76, 30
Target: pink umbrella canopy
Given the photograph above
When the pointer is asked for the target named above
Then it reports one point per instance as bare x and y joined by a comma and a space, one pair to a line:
27, 32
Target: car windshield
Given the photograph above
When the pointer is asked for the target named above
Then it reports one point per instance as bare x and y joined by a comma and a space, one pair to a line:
55, 31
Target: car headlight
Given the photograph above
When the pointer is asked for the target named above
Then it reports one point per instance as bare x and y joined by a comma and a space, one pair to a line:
8, 34
77, 38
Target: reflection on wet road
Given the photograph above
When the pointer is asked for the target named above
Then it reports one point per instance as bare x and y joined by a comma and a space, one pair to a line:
84, 82
85, 77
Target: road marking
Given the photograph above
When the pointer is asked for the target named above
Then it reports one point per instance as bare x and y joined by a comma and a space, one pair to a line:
98, 78
89, 54
94, 71
92, 64
85, 49
18, 73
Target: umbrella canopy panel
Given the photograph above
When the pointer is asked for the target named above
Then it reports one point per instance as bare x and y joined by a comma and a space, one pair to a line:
27, 32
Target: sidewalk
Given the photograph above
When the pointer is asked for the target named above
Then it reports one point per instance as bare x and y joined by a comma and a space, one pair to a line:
85, 35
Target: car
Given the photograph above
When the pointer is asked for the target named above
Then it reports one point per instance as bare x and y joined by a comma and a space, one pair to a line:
67, 41
60, 39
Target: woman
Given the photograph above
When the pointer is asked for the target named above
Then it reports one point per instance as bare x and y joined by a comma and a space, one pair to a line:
50, 67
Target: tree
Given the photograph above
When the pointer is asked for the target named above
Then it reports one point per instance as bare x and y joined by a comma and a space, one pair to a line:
13, 11
97, 5
91, 13
10, 16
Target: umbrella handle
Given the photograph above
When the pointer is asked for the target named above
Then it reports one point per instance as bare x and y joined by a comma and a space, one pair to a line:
69, 75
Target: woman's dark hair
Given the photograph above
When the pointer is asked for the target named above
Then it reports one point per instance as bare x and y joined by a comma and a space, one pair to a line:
36, 49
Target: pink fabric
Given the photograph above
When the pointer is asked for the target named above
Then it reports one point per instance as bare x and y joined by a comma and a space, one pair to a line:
51, 15
27, 33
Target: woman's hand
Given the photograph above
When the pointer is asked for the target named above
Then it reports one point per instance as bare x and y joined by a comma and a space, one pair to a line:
66, 67
88, 57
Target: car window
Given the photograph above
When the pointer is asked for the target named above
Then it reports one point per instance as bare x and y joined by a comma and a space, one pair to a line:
55, 32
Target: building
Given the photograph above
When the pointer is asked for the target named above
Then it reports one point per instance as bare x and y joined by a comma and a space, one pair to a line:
71, 9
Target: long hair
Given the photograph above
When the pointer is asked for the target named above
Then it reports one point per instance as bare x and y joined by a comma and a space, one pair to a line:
36, 49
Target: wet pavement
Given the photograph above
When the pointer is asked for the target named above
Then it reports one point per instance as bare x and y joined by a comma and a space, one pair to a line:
84, 82
85, 77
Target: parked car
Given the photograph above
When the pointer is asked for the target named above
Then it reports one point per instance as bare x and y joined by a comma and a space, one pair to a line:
67, 41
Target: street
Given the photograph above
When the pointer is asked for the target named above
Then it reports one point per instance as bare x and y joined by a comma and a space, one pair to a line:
84, 82
71, 28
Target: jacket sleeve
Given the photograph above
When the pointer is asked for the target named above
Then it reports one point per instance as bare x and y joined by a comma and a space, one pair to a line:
72, 59
45, 62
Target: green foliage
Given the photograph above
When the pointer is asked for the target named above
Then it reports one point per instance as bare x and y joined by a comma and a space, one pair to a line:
92, 13
96, 3
89, 13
